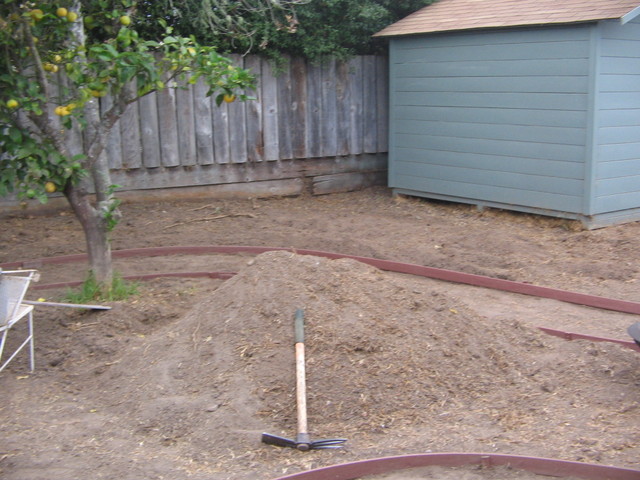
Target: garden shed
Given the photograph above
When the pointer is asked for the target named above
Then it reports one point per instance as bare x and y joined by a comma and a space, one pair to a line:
530, 106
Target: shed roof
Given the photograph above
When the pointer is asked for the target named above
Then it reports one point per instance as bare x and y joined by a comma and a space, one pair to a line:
448, 15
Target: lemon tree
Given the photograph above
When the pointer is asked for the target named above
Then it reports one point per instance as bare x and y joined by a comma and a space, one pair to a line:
57, 60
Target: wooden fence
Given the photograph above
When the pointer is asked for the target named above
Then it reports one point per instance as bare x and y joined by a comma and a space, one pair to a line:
327, 122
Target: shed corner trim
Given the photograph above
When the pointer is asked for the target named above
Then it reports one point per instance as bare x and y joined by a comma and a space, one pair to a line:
630, 16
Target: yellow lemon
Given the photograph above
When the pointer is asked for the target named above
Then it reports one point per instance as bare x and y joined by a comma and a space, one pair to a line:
50, 187
229, 98
62, 111
72, 16
125, 20
12, 103
36, 14
62, 12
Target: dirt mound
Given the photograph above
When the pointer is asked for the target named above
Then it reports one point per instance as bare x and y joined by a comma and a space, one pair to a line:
385, 354
367, 367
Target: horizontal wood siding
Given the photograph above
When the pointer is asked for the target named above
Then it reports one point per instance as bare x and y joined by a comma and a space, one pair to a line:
617, 169
496, 116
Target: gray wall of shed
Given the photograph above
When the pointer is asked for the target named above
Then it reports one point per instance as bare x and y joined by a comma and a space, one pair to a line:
499, 117
616, 185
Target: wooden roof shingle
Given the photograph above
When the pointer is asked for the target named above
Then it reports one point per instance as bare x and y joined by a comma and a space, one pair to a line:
449, 15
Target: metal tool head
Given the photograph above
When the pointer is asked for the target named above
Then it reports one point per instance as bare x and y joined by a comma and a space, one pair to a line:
278, 441
302, 444
328, 443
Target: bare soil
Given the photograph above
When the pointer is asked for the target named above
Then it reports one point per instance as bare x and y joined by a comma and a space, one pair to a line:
181, 380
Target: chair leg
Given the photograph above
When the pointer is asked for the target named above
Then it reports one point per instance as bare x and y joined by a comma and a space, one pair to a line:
29, 340
4, 337
31, 343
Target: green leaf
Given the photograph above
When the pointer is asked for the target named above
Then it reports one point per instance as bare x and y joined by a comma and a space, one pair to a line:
24, 153
15, 134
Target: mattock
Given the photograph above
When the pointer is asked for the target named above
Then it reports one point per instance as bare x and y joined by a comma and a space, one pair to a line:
302, 441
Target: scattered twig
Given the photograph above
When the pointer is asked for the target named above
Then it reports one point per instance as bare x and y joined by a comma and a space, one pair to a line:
194, 337
207, 219
77, 326
217, 208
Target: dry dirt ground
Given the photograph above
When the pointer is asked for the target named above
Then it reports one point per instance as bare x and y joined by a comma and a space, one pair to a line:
180, 381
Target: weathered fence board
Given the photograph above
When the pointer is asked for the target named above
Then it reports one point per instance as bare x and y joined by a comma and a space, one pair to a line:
298, 105
237, 126
356, 106
113, 148
370, 105
343, 103
382, 101
268, 96
329, 107
202, 175
186, 126
149, 131
314, 111
130, 137
168, 127
203, 127
220, 116
345, 182
325, 120
254, 123
284, 98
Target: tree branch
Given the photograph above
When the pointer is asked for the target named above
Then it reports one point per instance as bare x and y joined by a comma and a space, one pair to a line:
44, 123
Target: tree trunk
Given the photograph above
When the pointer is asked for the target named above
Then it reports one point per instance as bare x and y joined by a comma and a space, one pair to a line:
96, 234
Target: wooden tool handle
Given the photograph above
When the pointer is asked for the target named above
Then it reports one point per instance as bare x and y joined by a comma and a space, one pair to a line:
301, 390
302, 439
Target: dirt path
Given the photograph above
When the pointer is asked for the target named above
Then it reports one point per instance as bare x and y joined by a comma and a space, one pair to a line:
181, 380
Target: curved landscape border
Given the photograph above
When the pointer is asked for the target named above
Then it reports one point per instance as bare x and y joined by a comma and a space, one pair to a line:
624, 306
538, 465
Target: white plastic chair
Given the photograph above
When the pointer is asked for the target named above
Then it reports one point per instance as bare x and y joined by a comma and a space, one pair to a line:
13, 287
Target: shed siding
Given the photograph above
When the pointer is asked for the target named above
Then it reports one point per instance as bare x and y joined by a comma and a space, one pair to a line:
492, 116
617, 136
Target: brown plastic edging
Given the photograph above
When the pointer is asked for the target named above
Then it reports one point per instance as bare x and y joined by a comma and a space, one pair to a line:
538, 465
624, 306
226, 275
581, 336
